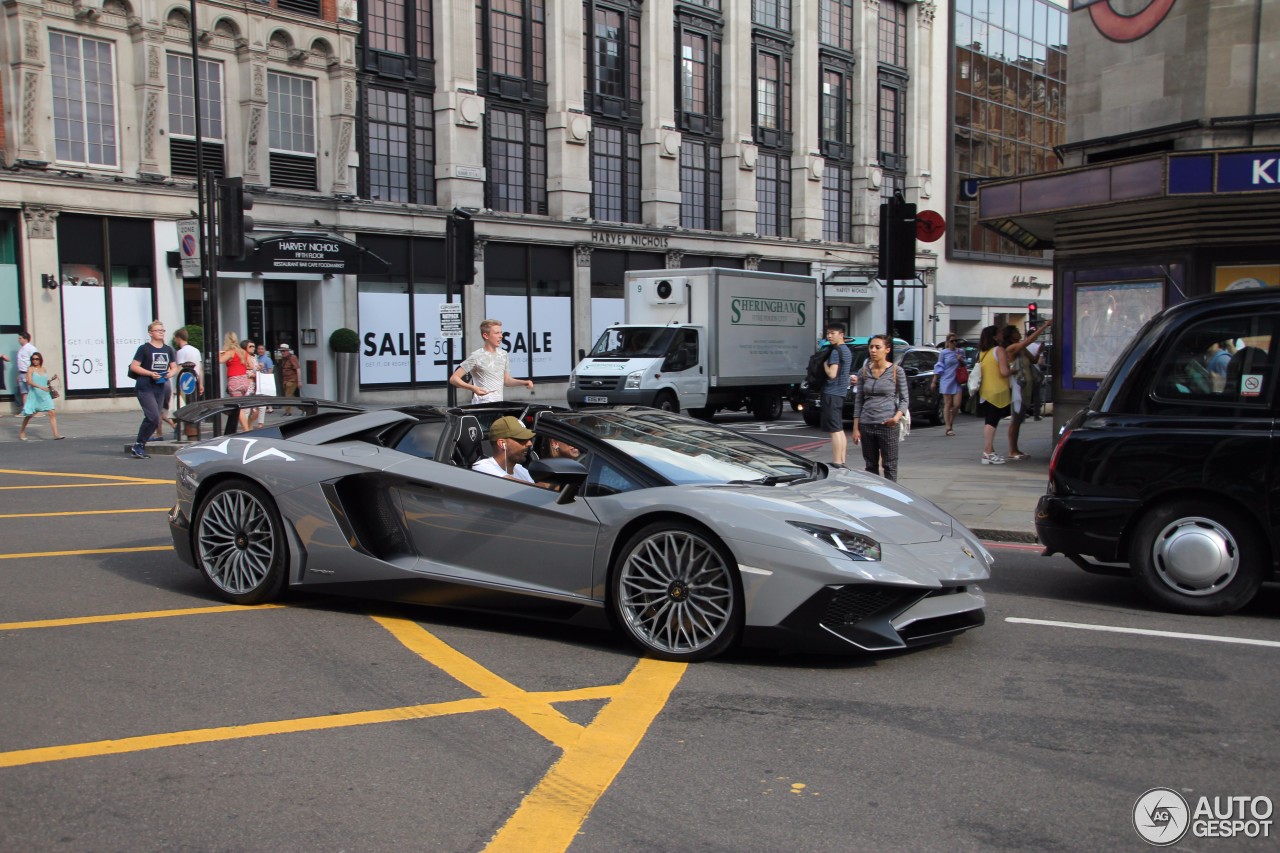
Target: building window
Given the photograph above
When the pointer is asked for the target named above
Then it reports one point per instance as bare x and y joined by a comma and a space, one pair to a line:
700, 186
399, 313
773, 91
835, 24
893, 33
182, 116
511, 43
837, 204
1007, 112
773, 195
693, 72
399, 147
835, 114
291, 109
531, 289
517, 161
84, 100
615, 173
613, 60
892, 125
772, 13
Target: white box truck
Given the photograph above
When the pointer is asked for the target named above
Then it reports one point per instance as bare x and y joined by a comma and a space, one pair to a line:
705, 340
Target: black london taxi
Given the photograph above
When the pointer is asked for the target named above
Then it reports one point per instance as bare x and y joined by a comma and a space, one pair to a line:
1171, 474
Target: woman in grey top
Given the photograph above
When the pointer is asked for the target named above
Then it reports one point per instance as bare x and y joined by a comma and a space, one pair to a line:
880, 402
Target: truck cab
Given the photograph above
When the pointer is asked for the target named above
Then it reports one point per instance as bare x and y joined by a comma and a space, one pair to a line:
659, 366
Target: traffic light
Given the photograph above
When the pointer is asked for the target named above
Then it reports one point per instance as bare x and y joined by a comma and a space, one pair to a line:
461, 237
1032, 316
234, 242
897, 260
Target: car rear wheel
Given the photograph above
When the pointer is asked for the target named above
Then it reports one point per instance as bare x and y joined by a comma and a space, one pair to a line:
1198, 559
239, 542
812, 417
676, 593
939, 414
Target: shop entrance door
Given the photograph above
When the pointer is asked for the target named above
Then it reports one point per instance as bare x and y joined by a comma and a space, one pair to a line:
281, 314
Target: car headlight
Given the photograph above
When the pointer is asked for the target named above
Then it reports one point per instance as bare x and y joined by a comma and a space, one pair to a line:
633, 380
854, 545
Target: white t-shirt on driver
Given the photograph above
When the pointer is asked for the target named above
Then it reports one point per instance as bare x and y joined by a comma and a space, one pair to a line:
489, 465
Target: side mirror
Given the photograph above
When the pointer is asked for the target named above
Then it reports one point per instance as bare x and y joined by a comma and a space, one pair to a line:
567, 474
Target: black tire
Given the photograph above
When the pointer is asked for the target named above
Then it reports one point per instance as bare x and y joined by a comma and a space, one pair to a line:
766, 407
812, 417
667, 402
675, 591
1194, 558
238, 542
704, 413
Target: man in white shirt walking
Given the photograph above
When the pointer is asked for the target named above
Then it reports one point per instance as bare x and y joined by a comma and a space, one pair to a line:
488, 367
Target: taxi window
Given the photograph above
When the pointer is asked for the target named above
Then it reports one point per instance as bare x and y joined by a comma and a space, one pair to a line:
1223, 360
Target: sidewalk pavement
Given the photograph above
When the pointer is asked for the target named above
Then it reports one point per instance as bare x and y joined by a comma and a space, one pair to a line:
997, 502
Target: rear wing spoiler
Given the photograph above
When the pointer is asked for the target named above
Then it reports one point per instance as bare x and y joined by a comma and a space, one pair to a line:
204, 410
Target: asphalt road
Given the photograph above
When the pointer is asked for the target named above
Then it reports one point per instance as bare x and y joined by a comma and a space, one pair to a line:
140, 714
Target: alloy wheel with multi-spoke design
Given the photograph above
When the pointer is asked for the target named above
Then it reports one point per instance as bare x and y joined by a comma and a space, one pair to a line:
676, 593
238, 544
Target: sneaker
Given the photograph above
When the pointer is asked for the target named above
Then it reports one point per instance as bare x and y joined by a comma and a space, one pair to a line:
139, 451
992, 459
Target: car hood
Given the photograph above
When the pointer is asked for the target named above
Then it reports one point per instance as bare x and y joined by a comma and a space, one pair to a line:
861, 502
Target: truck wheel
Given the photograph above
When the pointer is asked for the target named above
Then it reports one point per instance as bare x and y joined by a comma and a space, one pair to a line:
766, 407
667, 402
1193, 557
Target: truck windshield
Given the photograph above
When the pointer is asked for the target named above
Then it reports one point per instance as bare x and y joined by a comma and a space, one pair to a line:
633, 342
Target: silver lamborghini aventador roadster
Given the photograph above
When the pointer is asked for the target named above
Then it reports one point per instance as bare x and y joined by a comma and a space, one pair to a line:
686, 536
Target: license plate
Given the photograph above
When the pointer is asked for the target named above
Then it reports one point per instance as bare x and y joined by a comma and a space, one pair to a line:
595, 399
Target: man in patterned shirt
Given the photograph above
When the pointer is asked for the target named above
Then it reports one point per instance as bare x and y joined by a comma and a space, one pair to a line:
488, 367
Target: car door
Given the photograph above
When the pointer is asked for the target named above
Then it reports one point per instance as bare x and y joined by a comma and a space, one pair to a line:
474, 528
919, 365
685, 367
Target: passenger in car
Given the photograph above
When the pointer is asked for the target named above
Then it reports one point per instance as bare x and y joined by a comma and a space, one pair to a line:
511, 441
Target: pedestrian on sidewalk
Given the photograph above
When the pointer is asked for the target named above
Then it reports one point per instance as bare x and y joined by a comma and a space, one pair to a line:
488, 367
1023, 378
995, 396
838, 366
944, 379
153, 365
39, 397
239, 381
880, 402
25, 350
257, 413
289, 373
189, 360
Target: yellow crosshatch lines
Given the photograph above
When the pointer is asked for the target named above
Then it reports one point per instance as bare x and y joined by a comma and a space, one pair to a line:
133, 617
549, 817
99, 480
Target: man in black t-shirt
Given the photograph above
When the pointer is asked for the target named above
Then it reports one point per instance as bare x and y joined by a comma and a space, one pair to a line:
153, 365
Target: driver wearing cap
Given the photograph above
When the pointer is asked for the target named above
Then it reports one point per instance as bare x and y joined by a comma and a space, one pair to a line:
511, 441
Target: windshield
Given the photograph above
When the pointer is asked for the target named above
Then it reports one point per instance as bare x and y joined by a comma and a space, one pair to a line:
633, 342
684, 451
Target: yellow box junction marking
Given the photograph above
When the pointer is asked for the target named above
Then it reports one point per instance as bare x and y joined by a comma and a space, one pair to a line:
548, 819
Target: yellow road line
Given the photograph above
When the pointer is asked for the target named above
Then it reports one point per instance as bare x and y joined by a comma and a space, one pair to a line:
551, 816
132, 617
79, 512
86, 551
40, 755
82, 476
539, 716
33, 487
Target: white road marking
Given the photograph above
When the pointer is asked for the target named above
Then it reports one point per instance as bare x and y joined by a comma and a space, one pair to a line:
1176, 635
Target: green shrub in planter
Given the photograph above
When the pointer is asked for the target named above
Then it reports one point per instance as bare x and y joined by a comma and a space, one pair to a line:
344, 340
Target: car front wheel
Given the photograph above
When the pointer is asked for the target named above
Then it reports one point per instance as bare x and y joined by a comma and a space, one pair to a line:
676, 593
1197, 559
239, 542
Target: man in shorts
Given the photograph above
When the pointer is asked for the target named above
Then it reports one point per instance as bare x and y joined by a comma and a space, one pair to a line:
839, 366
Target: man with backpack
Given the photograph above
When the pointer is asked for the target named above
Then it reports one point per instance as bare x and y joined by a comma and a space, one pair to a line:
839, 364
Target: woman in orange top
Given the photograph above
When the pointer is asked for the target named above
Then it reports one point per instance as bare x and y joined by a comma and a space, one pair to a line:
239, 382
